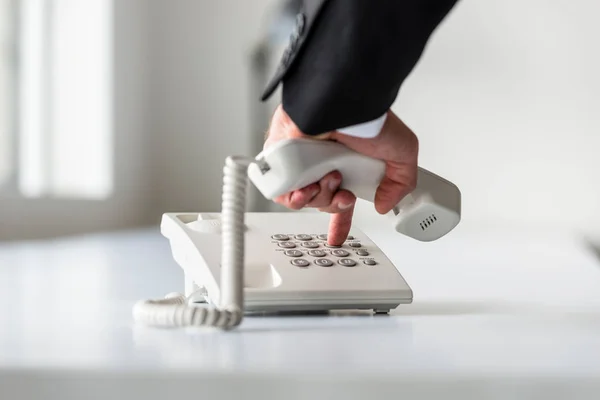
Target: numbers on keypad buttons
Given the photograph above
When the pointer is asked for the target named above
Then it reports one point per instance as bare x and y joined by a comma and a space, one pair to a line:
320, 259
347, 262
323, 262
287, 245
340, 253
303, 236
280, 236
300, 262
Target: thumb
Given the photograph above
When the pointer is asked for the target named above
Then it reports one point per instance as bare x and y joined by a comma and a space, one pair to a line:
399, 181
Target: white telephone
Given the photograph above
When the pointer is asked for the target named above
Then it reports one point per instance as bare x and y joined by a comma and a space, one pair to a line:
236, 262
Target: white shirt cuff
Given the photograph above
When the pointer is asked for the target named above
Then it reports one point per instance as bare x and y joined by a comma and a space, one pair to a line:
365, 130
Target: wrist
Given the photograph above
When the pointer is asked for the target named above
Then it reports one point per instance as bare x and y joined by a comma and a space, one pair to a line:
283, 127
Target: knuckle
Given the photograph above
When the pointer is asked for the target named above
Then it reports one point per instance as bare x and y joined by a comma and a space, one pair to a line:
295, 205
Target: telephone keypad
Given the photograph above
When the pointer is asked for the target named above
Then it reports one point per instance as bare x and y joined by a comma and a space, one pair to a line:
304, 251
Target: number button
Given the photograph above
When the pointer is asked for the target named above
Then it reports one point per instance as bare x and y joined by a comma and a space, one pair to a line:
303, 237
332, 246
350, 237
340, 253
287, 245
324, 262
322, 236
370, 262
362, 252
293, 253
280, 236
300, 262
347, 262
354, 244
316, 253
310, 245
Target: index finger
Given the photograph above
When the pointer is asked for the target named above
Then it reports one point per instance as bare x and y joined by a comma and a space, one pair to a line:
339, 226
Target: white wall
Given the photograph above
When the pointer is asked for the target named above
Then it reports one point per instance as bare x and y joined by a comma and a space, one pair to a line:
506, 102
200, 95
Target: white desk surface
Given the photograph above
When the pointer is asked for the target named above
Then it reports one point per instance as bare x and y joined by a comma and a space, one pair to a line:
495, 314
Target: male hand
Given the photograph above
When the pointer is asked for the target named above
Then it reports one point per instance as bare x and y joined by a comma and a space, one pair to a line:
396, 144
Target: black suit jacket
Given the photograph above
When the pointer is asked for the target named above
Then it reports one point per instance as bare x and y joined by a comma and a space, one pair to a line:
347, 59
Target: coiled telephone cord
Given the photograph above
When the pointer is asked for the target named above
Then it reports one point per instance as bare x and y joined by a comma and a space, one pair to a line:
175, 310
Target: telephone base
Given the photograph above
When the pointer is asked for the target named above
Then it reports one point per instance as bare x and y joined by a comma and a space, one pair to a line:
288, 265
200, 296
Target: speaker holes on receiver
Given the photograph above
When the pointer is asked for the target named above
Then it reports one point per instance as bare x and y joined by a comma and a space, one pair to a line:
427, 222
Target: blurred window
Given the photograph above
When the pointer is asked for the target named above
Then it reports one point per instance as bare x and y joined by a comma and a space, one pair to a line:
55, 98
7, 69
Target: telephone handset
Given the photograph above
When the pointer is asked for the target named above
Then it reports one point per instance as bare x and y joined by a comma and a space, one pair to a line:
428, 213
240, 262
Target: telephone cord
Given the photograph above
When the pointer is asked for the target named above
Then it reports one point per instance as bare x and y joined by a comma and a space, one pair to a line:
175, 309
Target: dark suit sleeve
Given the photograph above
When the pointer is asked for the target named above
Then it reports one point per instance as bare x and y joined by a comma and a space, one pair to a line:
348, 59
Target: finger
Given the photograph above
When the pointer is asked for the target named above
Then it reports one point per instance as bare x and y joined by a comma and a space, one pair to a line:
298, 199
400, 180
328, 186
342, 201
339, 226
